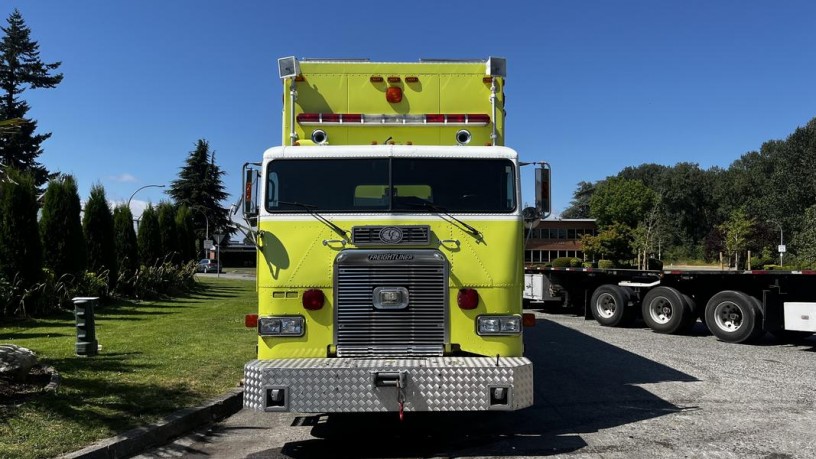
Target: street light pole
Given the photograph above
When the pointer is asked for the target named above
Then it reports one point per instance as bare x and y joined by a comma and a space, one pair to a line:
206, 225
140, 189
781, 242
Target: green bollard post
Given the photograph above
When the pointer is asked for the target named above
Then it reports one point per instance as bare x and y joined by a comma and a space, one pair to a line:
86, 344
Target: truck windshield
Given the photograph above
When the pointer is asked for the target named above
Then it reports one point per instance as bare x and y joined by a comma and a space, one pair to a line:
391, 185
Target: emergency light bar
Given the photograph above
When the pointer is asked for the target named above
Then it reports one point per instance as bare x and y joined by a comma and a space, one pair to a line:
356, 119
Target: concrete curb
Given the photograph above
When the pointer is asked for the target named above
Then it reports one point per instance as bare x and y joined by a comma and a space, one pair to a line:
138, 440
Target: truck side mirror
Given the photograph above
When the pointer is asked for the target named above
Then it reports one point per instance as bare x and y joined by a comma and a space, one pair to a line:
250, 186
543, 190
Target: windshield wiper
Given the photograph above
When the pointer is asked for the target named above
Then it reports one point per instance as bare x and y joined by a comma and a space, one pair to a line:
310, 208
439, 210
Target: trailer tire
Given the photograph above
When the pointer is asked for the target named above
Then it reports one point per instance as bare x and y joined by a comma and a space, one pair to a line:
609, 305
734, 317
666, 310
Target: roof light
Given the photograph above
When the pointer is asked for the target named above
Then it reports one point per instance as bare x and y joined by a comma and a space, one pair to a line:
393, 94
394, 79
411, 79
376, 79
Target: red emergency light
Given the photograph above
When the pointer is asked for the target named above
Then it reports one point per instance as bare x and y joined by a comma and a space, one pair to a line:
468, 298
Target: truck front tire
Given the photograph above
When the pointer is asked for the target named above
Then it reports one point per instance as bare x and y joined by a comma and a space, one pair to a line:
734, 317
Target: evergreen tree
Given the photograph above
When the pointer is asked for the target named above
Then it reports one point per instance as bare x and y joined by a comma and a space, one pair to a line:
168, 232
186, 234
97, 225
199, 187
124, 239
21, 69
20, 249
149, 237
60, 228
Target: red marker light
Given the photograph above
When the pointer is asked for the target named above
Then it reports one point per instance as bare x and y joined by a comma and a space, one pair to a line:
393, 94
313, 299
468, 298
251, 320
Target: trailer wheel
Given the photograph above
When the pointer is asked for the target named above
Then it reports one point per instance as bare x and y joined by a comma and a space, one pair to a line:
734, 317
666, 310
609, 305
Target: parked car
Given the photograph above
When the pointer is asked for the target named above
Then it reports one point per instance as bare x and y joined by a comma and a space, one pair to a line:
208, 266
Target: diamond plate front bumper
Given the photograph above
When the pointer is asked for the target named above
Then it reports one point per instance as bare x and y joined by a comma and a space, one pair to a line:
370, 385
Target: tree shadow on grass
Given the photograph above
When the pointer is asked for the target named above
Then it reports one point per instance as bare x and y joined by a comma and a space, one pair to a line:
92, 396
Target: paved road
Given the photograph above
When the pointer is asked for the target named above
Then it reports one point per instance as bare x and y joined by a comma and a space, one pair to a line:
601, 392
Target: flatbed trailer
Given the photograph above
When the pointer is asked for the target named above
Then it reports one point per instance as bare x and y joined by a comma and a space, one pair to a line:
736, 306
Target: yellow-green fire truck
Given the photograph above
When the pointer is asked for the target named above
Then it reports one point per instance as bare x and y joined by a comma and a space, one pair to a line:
389, 234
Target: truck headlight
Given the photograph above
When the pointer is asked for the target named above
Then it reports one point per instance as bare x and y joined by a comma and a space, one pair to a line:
281, 326
498, 325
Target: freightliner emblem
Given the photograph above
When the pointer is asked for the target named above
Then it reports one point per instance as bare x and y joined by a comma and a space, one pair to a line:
390, 257
391, 235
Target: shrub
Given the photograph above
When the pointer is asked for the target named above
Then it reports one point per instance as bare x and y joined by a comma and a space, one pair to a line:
21, 253
60, 228
149, 237
590, 264
575, 262
97, 225
606, 264
562, 262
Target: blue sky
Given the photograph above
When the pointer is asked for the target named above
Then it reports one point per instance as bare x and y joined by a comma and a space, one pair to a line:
592, 86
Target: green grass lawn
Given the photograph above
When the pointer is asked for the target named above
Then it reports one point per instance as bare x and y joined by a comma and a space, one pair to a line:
155, 358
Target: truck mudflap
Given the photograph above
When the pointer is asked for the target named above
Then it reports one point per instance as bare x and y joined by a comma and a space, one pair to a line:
373, 385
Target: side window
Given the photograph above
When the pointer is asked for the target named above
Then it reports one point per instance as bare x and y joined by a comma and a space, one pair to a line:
272, 189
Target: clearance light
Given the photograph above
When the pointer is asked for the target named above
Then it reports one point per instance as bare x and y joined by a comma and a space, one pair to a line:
281, 326
251, 320
468, 298
528, 319
313, 299
393, 79
393, 94
412, 79
357, 119
376, 79
498, 325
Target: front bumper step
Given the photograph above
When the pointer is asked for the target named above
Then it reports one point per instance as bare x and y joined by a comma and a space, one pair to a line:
374, 385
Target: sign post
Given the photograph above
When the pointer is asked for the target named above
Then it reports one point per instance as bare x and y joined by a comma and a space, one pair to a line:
218, 238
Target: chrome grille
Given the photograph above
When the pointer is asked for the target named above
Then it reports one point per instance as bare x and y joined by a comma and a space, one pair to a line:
417, 330
411, 235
